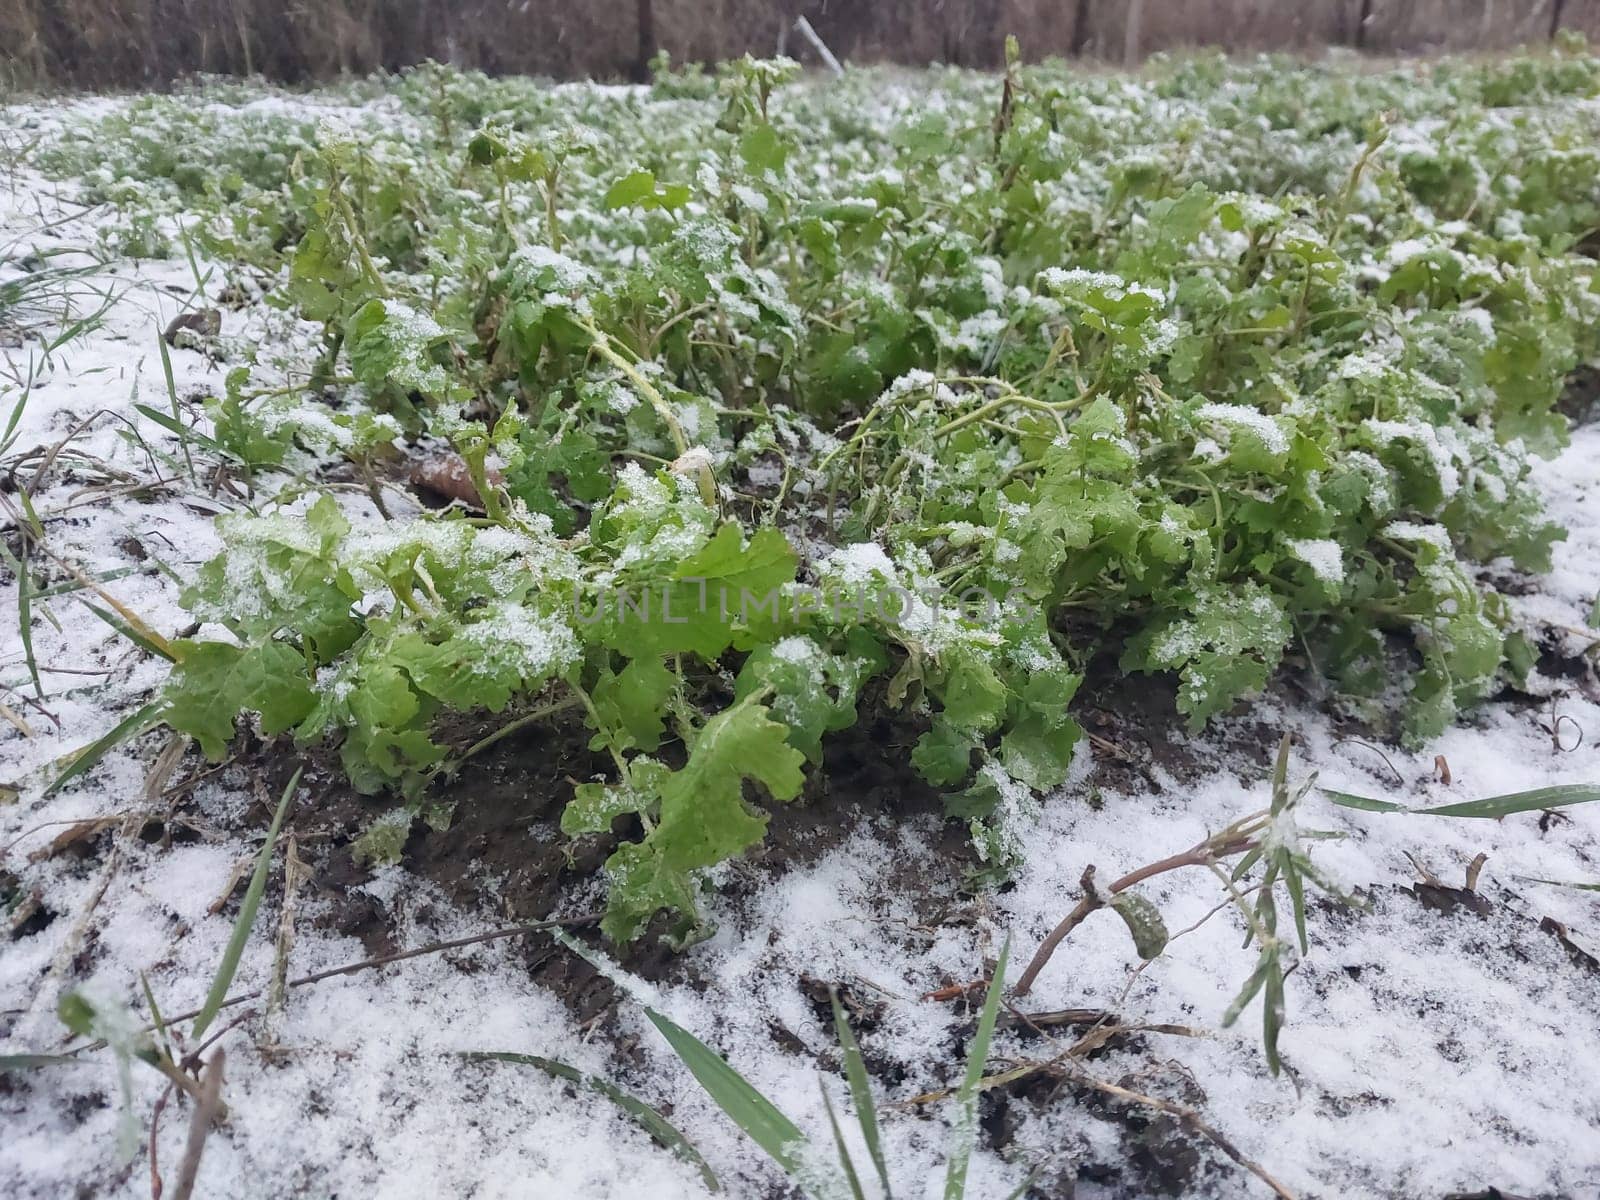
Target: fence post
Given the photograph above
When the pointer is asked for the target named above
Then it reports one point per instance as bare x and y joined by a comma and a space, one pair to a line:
1130, 33
1555, 18
647, 41
1080, 28
1363, 19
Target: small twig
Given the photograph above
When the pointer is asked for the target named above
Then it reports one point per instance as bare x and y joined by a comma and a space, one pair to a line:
295, 873
1231, 841
382, 961
205, 1112
1399, 778
526, 719
1187, 1117
804, 29
155, 1128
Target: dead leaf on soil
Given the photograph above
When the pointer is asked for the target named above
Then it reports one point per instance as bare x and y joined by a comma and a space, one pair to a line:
445, 475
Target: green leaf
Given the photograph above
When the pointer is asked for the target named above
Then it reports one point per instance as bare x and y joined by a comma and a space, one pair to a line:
811, 691
762, 148
704, 818
1491, 807
1225, 646
393, 346
594, 806
632, 704
707, 595
943, 755
1144, 922
649, 1119
973, 695
641, 190
383, 842
745, 1106
213, 682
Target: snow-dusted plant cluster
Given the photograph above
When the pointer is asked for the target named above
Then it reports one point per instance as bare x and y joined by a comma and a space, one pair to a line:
937, 405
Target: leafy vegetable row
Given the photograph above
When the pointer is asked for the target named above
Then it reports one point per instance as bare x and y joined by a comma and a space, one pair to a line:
792, 400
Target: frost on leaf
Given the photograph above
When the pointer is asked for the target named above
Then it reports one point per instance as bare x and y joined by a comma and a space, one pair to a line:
1224, 646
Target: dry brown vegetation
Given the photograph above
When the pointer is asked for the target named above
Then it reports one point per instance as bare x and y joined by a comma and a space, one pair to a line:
140, 43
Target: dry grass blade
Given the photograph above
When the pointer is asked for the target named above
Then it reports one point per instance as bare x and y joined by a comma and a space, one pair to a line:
206, 1112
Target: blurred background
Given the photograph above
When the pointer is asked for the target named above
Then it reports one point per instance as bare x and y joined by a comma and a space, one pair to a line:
145, 43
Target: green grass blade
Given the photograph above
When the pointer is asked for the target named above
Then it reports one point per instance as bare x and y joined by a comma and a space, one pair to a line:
129, 726
845, 1161
965, 1134
70, 586
9, 433
652, 1122
25, 614
172, 396
184, 433
247, 918
1364, 803
855, 1073
746, 1107
1489, 807
1566, 883
31, 1062
74, 331
128, 631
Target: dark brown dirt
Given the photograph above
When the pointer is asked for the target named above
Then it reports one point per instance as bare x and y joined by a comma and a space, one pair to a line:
1580, 399
503, 850
503, 847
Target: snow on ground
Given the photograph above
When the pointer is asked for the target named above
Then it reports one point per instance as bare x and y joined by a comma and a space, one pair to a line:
1427, 1052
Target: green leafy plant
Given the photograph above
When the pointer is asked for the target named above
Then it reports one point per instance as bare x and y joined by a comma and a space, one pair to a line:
797, 408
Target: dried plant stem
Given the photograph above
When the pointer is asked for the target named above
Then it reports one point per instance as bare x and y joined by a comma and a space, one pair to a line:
384, 960
1235, 839
1186, 1116
206, 1111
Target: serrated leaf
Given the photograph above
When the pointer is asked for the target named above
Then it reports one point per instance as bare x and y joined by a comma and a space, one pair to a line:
808, 689
213, 682
703, 817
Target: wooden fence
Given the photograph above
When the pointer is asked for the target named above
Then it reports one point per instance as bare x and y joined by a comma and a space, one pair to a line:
141, 43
